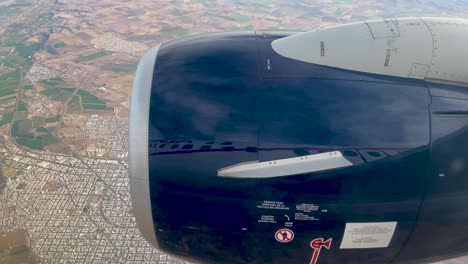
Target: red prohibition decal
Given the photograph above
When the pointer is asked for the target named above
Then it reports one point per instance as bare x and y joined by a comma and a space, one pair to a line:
284, 235
317, 245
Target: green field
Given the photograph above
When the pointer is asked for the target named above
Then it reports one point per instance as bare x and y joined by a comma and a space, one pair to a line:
94, 56
273, 20
240, 17
53, 81
52, 119
75, 99
59, 94
338, 12
22, 128
56, 90
20, 115
27, 87
15, 76
209, 14
235, 28
94, 106
180, 32
6, 118
13, 61
28, 62
249, 27
22, 131
68, 90
11, 76
20, 4
87, 98
59, 45
9, 83
9, 11
27, 49
21, 106
33, 143
41, 130
7, 98
127, 67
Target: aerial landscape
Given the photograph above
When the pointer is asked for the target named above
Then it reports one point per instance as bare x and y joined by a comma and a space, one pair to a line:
66, 74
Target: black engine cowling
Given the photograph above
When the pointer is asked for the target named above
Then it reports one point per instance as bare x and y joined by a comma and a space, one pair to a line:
240, 155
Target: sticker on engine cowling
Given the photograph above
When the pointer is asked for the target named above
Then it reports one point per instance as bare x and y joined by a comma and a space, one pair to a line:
368, 235
317, 245
284, 235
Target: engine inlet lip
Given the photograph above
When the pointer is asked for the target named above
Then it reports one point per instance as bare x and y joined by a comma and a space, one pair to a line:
138, 165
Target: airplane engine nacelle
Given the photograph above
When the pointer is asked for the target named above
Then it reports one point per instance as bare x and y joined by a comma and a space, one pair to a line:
341, 145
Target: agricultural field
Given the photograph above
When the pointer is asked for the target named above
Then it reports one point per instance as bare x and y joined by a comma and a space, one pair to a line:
124, 68
58, 94
52, 119
74, 106
6, 118
89, 101
57, 89
35, 138
41, 130
59, 45
22, 129
26, 49
94, 56
9, 83
21, 106
13, 60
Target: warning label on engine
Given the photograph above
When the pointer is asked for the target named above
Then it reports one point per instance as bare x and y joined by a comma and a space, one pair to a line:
267, 219
304, 217
307, 207
273, 205
368, 235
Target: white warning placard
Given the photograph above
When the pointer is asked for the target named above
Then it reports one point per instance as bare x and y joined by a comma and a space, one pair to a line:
368, 235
